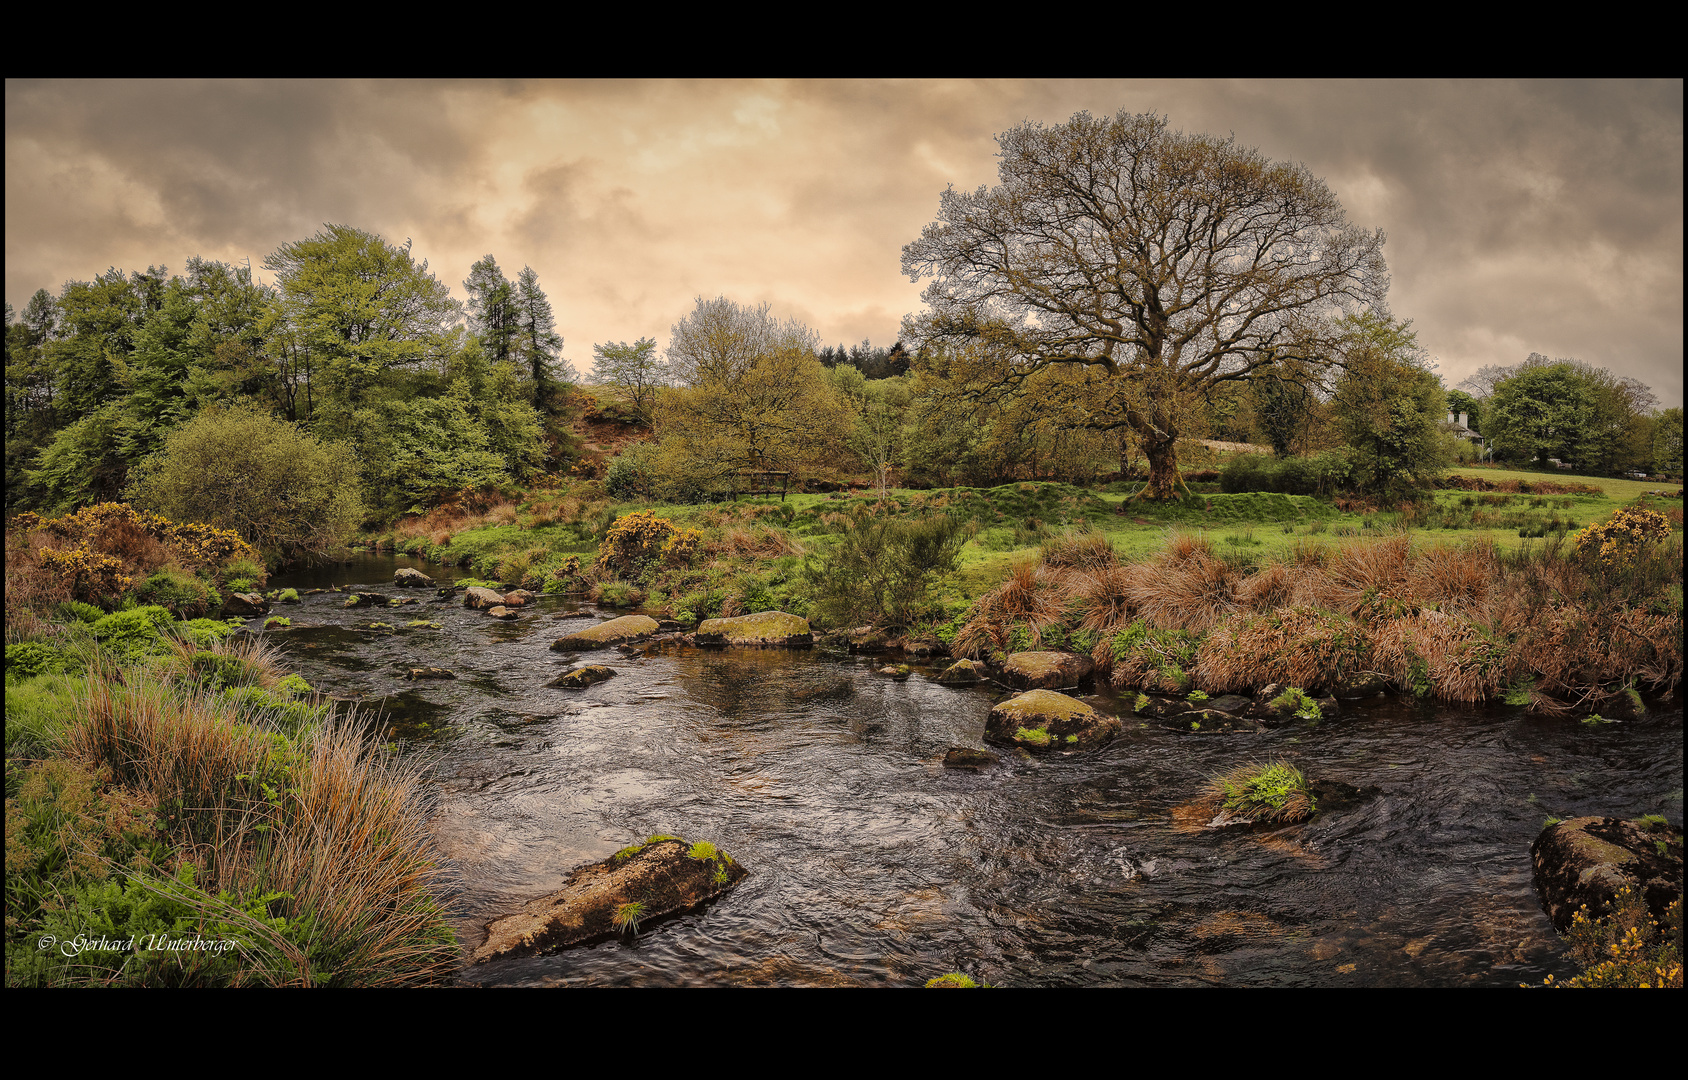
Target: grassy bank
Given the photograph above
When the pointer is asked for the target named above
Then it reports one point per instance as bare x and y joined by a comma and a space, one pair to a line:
194, 820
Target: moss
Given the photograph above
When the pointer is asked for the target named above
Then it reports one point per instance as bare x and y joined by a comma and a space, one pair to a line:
764, 627
1271, 791
955, 980
1034, 736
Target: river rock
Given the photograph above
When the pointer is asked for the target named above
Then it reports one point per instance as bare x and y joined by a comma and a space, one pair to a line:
366, 599
502, 612
860, 639
416, 673
1046, 670
581, 678
518, 598
1587, 860
620, 631
763, 628
407, 578
960, 673
245, 605
898, 672
964, 757
663, 877
1211, 720
1044, 719
1365, 684
481, 597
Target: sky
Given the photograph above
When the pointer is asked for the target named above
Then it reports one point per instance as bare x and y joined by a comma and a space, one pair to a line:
1520, 217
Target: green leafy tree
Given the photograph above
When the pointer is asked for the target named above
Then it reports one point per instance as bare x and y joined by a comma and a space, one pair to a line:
1544, 410
634, 369
492, 310
1667, 442
362, 308
1389, 406
752, 397
1165, 263
282, 490
84, 463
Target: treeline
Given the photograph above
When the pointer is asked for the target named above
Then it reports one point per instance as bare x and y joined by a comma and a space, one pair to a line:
354, 342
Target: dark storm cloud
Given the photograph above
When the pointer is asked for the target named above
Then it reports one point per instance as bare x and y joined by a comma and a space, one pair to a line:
1522, 217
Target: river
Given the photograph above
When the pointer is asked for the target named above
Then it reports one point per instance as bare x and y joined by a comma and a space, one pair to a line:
872, 865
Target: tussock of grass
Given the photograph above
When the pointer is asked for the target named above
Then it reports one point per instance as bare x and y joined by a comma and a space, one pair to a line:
1262, 791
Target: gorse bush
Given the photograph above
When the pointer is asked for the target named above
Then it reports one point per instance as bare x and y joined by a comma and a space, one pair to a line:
634, 542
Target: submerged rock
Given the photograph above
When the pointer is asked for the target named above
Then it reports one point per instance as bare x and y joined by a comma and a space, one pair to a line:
861, 639
581, 678
628, 628
502, 612
962, 757
960, 673
762, 628
1043, 719
430, 673
1046, 670
661, 877
1587, 860
366, 599
406, 578
1363, 685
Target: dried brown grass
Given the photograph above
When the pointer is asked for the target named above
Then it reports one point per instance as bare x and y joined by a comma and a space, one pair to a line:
1435, 654
1031, 595
1304, 647
32, 590
333, 824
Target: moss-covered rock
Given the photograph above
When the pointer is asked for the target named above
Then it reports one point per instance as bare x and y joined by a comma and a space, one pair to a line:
960, 673
628, 628
581, 678
1045, 720
1587, 860
1046, 670
762, 628
245, 606
662, 876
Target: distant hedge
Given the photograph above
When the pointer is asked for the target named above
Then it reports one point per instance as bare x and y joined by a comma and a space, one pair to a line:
1320, 474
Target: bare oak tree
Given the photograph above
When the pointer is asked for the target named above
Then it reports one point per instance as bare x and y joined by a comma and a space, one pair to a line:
1162, 263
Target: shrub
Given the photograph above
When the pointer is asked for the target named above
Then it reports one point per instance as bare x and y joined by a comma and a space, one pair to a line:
883, 568
1617, 542
183, 593
1627, 947
239, 469
634, 541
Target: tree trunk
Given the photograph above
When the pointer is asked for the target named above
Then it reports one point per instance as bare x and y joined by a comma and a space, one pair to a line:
1164, 479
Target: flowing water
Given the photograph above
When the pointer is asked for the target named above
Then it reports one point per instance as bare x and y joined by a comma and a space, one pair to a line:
870, 864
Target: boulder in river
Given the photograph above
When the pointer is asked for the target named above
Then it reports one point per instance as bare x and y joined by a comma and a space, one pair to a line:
245, 605
518, 598
762, 628
1046, 670
406, 578
960, 673
1587, 860
1044, 719
637, 884
481, 597
622, 631
581, 678
502, 612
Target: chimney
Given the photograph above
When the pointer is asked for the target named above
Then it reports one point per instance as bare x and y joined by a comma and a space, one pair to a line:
1450, 416
1462, 422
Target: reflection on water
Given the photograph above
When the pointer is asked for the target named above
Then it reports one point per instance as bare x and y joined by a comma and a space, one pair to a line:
873, 865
